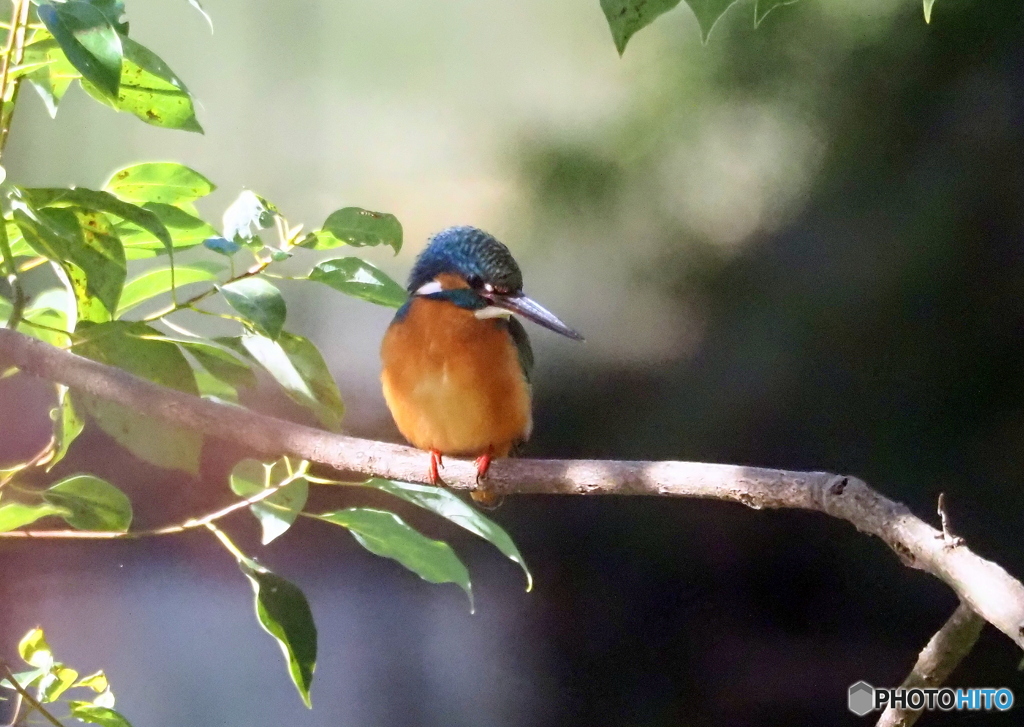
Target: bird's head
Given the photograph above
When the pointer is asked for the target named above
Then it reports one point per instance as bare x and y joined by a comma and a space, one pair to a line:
470, 268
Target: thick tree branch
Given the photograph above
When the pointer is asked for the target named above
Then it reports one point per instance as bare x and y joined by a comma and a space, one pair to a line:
983, 585
944, 651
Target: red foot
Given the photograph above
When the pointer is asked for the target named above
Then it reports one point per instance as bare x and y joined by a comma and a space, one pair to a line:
483, 463
435, 461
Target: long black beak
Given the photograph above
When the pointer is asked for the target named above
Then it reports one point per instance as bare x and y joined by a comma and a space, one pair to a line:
519, 303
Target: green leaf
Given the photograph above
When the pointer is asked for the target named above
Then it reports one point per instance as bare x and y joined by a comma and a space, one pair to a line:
113, 11
96, 682
157, 281
15, 515
284, 613
131, 346
34, 649
81, 238
100, 202
763, 7
150, 90
358, 278
88, 40
93, 714
385, 534
708, 12
927, 10
53, 79
25, 678
312, 368
186, 231
258, 302
56, 683
47, 309
220, 364
277, 512
449, 506
163, 182
299, 369
67, 425
247, 212
357, 227
92, 504
626, 17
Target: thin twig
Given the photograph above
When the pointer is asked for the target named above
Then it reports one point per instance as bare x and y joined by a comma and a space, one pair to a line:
13, 54
944, 651
190, 524
28, 697
983, 585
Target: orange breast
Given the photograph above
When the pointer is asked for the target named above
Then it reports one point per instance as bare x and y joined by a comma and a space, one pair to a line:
453, 382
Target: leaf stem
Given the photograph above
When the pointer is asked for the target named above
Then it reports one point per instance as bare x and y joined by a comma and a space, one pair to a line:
189, 303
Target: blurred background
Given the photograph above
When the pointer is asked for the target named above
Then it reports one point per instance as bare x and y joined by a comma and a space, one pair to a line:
797, 247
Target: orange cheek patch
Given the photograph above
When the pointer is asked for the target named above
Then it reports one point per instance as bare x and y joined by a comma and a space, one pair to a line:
451, 281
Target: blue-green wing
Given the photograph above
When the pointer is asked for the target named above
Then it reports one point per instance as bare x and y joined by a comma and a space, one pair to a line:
522, 341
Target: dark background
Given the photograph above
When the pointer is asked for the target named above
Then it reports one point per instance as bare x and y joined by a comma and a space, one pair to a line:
857, 307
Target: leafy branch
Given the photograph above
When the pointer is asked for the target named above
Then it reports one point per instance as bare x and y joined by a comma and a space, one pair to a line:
626, 17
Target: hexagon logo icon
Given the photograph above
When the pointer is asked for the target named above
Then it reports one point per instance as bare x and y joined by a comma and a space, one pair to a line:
861, 698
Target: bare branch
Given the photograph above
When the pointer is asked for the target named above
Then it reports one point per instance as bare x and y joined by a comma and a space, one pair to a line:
983, 585
944, 651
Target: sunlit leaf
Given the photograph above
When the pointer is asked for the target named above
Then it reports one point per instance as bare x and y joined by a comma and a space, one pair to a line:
34, 649
53, 79
221, 364
185, 230
150, 90
304, 378
284, 613
96, 682
100, 202
15, 514
131, 346
157, 281
91, 504
449, 506
927, 10
360, 279
310, 365
163, 182
94, 714
277, 512
258, 302
58, 681
357, 227
84, 239
25, 678
89, 41
385, 534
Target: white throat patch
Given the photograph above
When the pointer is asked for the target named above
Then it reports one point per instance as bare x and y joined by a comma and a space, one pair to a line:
492, 311
429, 288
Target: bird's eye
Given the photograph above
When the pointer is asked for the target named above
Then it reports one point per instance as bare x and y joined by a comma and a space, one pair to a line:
475, 282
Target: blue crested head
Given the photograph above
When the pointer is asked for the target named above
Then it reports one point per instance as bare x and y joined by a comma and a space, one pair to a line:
495, 283
472, 254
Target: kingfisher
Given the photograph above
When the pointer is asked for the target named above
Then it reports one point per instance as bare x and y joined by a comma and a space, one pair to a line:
456, 362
